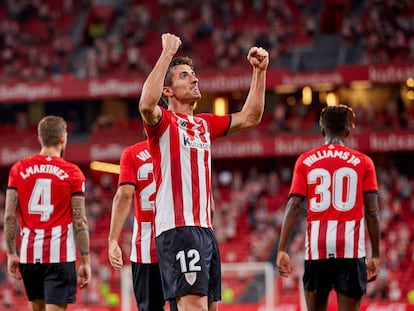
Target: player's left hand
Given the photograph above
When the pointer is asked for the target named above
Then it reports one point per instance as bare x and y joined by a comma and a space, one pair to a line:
373, 269
258, 58
84, 275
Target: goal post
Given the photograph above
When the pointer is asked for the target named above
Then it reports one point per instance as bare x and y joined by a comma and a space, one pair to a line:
257, 267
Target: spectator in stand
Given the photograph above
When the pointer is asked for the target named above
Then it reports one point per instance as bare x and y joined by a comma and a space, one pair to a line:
180, 143
48, 193
136, 183
341, 186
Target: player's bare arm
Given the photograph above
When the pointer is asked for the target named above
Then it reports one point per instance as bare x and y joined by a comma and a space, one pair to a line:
290, 219
10, 231
81, 235
372, 221
80, 225
10, 220
153, 86
252, 111
121, 207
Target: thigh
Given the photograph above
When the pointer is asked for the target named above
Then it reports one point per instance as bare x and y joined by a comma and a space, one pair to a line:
146, 280
185, 256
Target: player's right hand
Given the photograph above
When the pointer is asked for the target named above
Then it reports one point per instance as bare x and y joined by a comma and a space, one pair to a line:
13, 266
115, 255
170, 42
283, 263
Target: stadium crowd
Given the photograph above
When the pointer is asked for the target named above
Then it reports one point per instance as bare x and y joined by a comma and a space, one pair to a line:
45, 39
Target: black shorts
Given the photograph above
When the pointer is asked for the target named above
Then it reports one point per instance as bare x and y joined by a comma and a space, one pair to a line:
189, 260
346, 275
147, 286
55, 283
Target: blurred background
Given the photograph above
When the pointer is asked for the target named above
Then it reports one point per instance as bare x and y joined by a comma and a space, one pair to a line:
86, 61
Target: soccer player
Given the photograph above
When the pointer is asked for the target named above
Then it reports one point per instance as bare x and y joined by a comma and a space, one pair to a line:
47, 193
136, 183
340, 184
180, 145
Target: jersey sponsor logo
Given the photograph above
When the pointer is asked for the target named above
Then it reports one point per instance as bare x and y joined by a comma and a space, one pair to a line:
44, 169
194, 143
190, 277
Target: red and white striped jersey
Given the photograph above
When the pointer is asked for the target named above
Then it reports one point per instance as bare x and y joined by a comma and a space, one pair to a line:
181, 149
334, 178
137, 169
45, 186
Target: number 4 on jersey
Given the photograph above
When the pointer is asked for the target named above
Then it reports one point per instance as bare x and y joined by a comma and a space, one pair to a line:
40, 199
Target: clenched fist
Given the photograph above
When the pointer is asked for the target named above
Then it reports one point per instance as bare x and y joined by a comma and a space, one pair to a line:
258, 57
170, 42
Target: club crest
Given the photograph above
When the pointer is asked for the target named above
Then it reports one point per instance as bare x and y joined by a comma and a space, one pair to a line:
190, 277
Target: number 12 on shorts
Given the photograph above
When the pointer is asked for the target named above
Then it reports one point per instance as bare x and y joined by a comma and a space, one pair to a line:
189, 264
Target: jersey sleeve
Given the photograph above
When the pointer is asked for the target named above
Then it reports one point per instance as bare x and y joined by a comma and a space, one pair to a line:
12, 182
127, 171
370, 182
299, 182
218, 125
78, 181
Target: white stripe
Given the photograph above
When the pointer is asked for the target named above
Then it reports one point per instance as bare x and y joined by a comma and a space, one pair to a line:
70, 245
146, 242
133, 256
361, 241
38, 246
314, 239
24, 244
331, 235
306, 245
165, 218
349, 239
54, 255
186, 174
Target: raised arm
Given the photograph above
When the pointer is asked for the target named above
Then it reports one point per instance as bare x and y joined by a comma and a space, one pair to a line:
10, 231
153, 85
121, 207
81, 235
252, 111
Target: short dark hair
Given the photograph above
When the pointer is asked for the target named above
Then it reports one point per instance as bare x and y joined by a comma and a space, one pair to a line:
51, 129
179, 60
337, 118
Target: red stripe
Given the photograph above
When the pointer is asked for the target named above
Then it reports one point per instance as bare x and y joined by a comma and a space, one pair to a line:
340, 240
153, 249
63, 244
176, 177
356, 238
30, 250
138, 242
46, 246
323, 227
